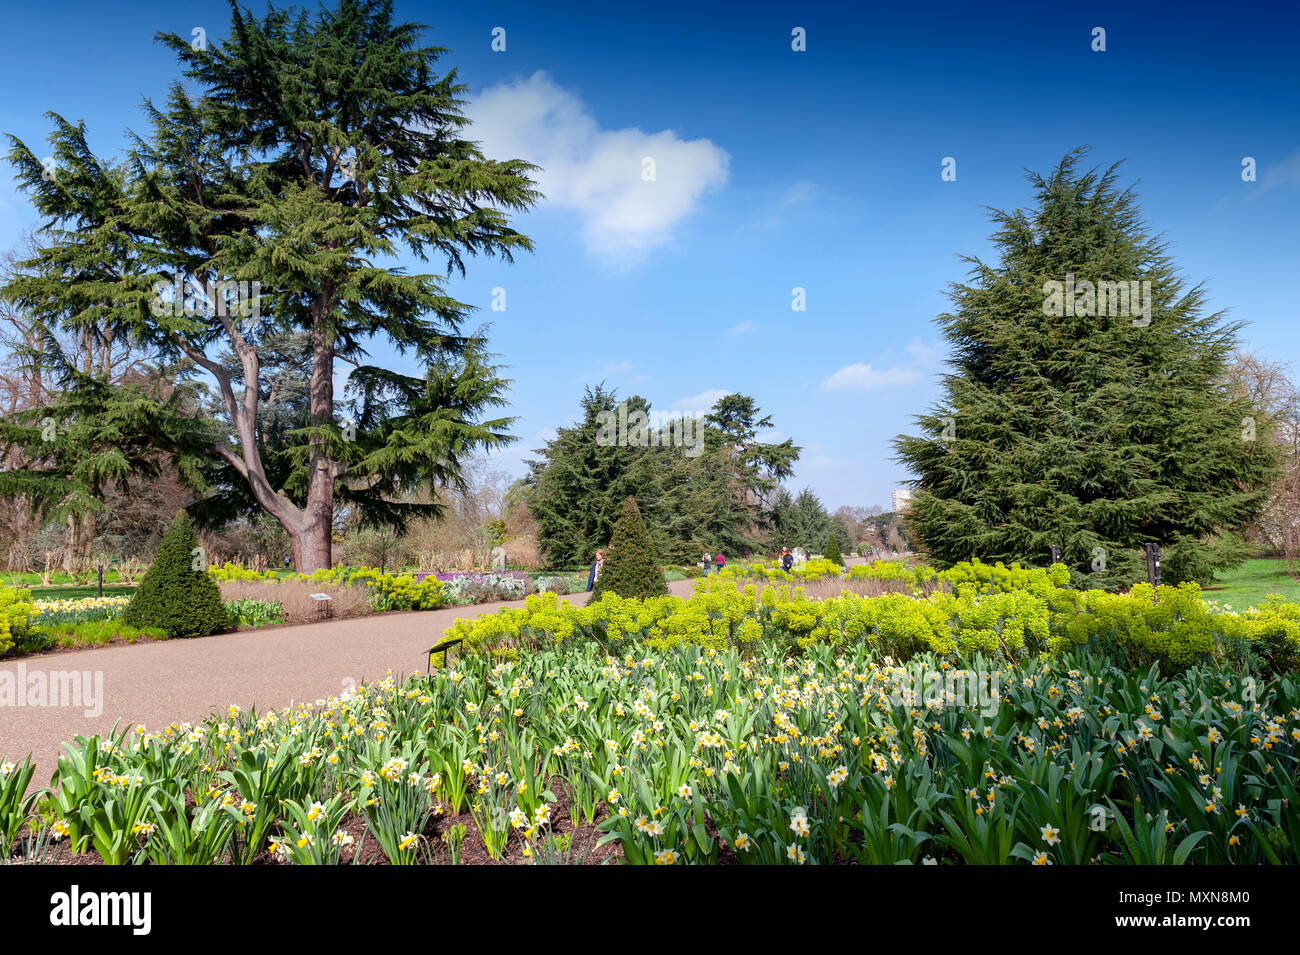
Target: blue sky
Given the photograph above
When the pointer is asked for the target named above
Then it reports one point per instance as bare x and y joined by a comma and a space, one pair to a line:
777, 169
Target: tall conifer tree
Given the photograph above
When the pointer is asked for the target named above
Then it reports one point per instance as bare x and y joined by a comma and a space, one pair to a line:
1073, 418
304, 152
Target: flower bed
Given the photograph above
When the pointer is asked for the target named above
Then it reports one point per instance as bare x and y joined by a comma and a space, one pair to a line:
387, 591
454, 575
817, 568
1009, 720
705, 756
476, 588
79, 610
401, 591
252, 612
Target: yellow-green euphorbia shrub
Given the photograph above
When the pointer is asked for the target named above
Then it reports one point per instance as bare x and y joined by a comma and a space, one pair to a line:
15, 611
1005, 613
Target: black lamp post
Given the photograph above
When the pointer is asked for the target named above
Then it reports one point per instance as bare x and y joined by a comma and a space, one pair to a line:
1153, 564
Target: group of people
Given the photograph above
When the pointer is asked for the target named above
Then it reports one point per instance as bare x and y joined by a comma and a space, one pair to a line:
716, 560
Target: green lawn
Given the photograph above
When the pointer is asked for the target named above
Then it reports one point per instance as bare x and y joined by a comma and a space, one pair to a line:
74, 592
1247, 585
29, 579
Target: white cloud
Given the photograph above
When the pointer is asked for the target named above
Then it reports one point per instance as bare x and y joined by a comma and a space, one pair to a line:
801, 191
704, 401
744, 328
862, 377
594, 172
922, 359
822, 462
798, 193
927, 356
624, 371
1281, 174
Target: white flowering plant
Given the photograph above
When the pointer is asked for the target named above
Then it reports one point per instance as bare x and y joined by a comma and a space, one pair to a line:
116, 824
755, 822
312, 833
652, 831
804, 755
394, 794
185, 835
80, 768
260, 777
449, 759
15, 802
489, 805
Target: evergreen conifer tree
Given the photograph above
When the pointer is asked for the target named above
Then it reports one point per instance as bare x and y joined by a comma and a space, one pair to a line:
174, 595
261, 213
1086, 404
690, 480
833, 550
631, 566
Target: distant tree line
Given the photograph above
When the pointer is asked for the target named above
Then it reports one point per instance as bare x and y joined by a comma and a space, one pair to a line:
723, 493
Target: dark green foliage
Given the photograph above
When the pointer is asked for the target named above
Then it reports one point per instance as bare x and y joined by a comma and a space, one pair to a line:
833, 550
756, 466
631, 567
92, 435
173, 595
1189, 558
1092, 428
577, 488
301, 156
801, 521
705, 496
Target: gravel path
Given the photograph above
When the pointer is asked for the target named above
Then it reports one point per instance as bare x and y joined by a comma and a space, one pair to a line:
185, 680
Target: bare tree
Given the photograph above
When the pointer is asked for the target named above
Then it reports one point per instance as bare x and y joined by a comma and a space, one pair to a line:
21, 387
473, 522
1270, 388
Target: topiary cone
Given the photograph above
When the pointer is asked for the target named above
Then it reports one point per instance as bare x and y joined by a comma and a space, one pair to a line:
173, 595
631, 567
833, 551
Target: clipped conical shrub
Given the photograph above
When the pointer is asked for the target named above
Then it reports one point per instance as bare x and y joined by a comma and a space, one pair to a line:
173, 595
631, 565
833, 550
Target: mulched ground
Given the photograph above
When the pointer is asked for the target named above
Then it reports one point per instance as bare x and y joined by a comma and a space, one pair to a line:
473, 850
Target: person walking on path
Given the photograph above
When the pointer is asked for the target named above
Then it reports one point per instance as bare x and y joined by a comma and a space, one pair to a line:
597, 566
708, 561
719, 561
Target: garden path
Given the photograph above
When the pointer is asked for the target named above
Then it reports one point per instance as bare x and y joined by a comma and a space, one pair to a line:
185, 680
